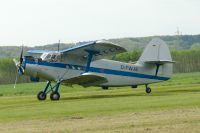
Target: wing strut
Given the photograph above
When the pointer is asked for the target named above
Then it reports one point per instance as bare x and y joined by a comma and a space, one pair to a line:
90, 52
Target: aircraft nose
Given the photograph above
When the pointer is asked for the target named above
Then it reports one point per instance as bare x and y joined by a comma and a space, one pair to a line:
21, 63
20, 66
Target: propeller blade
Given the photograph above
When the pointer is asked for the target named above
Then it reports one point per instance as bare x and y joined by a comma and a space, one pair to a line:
21, 56
16, 78
21, 70
16, 62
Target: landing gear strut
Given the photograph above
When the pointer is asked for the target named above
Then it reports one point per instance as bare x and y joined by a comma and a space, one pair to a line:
54, 92
148, 89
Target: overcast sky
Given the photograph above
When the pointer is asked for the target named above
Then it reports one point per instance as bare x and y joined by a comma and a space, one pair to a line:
40, 22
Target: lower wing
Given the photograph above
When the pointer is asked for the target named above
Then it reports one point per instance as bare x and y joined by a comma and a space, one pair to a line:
86, 79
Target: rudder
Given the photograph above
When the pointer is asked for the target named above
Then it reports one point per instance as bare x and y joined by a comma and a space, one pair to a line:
157, 53
156, 50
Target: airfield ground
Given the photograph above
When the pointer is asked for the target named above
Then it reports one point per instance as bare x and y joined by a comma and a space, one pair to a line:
173, 106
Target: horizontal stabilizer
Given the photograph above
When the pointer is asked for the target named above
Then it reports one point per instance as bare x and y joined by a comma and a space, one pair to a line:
161, 62
86, 79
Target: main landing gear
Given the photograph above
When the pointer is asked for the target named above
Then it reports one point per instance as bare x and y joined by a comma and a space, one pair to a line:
54, 92
148, 89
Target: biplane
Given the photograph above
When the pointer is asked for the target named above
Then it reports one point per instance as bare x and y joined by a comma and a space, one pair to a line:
85, 64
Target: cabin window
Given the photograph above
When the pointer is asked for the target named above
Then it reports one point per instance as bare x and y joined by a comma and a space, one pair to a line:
51, 57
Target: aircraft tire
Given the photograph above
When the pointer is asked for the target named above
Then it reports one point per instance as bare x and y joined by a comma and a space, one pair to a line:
148, 90
55, 96
41, 95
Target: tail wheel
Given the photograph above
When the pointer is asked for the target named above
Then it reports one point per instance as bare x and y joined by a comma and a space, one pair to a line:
41, 95
55, 96
148, 90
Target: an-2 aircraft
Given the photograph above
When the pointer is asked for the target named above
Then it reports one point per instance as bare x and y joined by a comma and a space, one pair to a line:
85, 65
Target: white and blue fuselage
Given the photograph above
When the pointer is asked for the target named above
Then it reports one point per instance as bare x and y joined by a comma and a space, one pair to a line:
117, 73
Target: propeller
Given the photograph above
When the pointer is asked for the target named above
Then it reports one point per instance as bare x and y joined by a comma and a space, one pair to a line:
18, 64
21, 55
58, 45
16, 78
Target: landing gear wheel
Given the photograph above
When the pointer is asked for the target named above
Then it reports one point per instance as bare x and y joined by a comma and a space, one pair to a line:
41, 95
55, 96
148, 90
105, 87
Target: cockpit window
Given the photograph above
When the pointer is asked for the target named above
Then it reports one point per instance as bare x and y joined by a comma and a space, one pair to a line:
43, 55
48, 56
51, 57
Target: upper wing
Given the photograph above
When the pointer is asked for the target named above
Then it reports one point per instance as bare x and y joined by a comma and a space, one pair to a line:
79, 53
104, 48
87, 79
38, 52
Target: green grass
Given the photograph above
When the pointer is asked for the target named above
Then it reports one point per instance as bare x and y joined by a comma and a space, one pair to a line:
20, 105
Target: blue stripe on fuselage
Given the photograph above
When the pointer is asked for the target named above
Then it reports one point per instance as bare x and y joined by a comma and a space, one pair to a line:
99, 70
124, 73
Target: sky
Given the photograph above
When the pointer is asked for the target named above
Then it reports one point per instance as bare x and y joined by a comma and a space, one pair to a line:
41, 22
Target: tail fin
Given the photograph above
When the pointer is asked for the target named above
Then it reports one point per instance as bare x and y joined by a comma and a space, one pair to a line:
156, 50
158, 54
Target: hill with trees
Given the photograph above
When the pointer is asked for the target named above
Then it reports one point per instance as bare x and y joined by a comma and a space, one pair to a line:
180, 42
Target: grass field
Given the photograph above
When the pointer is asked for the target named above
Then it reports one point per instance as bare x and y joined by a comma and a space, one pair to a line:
173, 106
